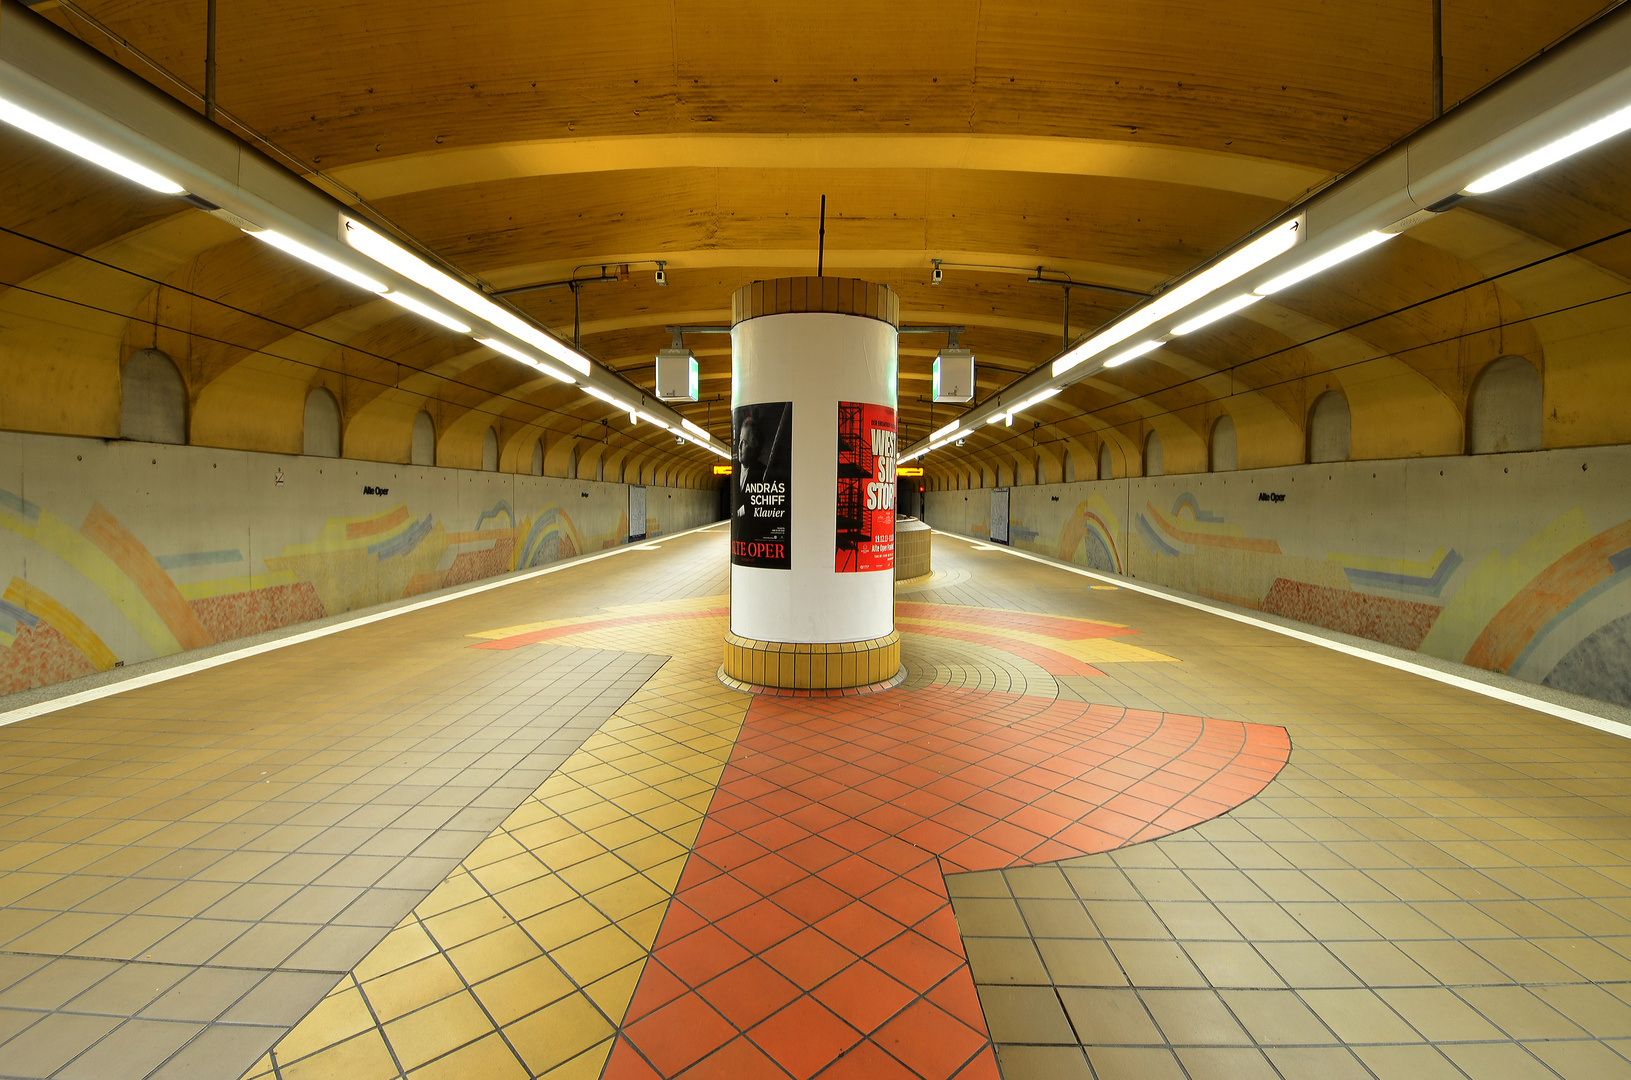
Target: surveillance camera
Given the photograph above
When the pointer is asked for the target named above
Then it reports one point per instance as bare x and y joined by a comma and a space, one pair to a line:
934, 278
679, 440
662, 276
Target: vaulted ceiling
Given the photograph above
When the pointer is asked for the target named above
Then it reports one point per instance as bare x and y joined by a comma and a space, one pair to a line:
1112, 144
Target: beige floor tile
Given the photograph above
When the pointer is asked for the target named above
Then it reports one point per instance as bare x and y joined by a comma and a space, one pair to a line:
1044, 1062
1134, 1063
1497, 1061
1359, 1016
1025, 1014
1004, 960
1110, 1017
1409, 1062
1080, 963
1277, 1017
1156, 964
1226, 1063
1582, 1060
1194, 1018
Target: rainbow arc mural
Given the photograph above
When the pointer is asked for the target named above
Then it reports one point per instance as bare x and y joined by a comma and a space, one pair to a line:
1533, 579
97, 579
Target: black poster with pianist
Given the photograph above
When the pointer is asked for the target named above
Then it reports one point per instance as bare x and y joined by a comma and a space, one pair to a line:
761, 485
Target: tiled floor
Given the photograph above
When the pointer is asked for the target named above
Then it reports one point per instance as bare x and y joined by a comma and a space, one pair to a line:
1433, 885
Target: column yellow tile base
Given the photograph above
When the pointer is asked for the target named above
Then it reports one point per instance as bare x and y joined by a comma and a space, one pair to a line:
837, 665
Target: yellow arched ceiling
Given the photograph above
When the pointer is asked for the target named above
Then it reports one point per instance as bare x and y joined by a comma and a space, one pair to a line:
1120, 145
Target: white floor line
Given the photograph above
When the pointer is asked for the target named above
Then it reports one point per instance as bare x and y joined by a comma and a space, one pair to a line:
1512, 697
68, 701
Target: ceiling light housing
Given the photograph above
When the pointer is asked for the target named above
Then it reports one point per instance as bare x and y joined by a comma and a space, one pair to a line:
313, 257
403, 300
1207, 318
1133, 353
93, 152
677, 375
1339, 254
1277, 241
531, 361
954, 375
417, 270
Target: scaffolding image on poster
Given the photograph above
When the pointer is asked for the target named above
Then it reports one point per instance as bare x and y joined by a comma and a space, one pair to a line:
761, 485
866, 488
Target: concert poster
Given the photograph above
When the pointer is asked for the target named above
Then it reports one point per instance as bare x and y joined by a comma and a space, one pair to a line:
866, 488
761, 485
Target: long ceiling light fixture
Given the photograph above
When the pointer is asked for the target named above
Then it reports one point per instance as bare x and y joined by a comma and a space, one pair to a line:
78, 145
1134, 353
1534, 161
427, 311
1276, 242
1034, 399
1223, 310
412, 267
313, 257
1342, 253
531, 361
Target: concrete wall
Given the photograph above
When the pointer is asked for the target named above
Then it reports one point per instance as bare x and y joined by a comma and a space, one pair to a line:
1519, 563
114, 552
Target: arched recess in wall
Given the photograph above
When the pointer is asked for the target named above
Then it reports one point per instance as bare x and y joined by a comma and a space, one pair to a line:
1504, 409
1330, 428
1225, 452
1106, 466
152, 399
322, 424
538, 458
1069, 462
1041, 470
600, 467
489, 451
572, 462
423, 451
1152, 454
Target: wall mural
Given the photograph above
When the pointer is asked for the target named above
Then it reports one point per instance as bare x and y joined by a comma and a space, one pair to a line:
1517, 563
162, 574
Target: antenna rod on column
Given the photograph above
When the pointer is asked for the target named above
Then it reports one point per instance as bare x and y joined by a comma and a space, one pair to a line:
821, 241
209, 61
1438, 59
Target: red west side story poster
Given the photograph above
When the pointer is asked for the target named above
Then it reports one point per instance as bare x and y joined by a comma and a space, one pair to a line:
866, 488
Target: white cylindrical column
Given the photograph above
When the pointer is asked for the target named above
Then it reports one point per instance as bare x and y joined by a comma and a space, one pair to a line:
813, 406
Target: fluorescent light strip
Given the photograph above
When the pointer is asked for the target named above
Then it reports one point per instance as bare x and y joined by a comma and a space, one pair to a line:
427, 311
78, 145
318, 259
1276, 242
1207, 318
695, 428
1588, 136
1357, 246
1036, 399
1133, 353
411, 266
648, 418
996, 418
947, 430
531, 361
